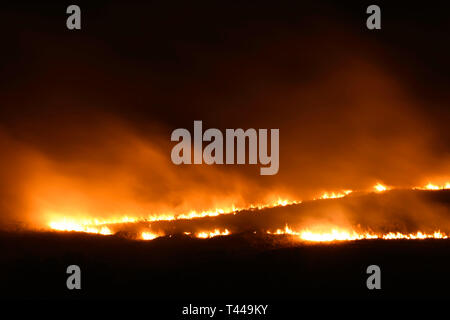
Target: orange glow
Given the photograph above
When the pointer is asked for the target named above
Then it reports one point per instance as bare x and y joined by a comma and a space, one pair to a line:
380, 188
102, 226
334, 195
431, 186
210, 234
149, 235
86, 224
418, 235
334, 235
72, 226
337, 234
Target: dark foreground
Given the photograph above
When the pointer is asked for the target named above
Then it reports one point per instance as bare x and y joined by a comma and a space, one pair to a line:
244, 267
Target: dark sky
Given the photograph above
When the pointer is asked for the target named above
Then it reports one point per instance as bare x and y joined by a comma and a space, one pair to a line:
88, 114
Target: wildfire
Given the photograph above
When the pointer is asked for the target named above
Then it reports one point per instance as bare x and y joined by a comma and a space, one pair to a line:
418, 235
204, 234
149, 235
336, 234
210, 234
332, 235
334, 195
100, 226
380, 188
72, 226
431, 186
92, 225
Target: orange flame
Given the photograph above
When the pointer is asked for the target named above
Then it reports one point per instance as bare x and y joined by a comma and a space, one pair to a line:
72, 226
336, 234
149, 235
431, 186
99, 226
334, 195
210, 234
380, 188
